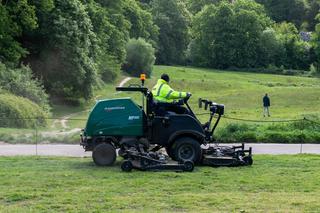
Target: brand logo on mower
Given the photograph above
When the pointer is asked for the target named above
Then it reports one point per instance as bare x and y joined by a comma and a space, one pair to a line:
108, 109
132, 117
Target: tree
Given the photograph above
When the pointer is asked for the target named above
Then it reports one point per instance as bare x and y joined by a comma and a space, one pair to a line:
15, 17
316, 44
63, 50
286, 10
173, 20
140, 57
228, 34
312, 9
271, 49
297, 52
196, 6
141, 23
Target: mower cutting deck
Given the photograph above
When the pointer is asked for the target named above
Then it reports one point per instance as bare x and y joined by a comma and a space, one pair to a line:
152, 161
139, 132
227, 156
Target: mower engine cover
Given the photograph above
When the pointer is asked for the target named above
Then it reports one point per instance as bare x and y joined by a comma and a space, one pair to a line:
115, 117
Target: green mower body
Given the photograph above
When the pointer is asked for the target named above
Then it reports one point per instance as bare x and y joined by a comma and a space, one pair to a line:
115, 117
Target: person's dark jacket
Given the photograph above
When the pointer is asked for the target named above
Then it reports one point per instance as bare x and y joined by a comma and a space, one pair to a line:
266, 101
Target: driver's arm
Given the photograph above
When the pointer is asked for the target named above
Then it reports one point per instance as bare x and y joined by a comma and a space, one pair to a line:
171, 94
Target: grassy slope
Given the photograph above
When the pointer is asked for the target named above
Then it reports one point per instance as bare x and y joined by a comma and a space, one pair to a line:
242, 93
272, 184
291, 96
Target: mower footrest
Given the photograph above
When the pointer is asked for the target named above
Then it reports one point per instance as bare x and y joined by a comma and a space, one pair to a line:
175, 167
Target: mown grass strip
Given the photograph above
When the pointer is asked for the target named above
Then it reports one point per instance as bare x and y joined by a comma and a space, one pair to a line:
273, 183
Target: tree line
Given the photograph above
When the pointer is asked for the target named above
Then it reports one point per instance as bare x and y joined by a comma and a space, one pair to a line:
66, 48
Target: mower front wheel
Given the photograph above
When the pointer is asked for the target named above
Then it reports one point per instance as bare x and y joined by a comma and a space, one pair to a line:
188, 166
248, 160
186, 149
104, 154
126, 166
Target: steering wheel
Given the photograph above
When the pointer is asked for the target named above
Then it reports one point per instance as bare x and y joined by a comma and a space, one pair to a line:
186, 99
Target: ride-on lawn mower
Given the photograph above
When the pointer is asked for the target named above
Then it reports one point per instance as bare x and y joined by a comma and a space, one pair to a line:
140, 132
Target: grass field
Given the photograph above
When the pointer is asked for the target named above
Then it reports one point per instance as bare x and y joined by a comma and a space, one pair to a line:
272, 184
292, 97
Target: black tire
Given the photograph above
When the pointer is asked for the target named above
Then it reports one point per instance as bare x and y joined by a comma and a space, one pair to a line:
126, 166
104, 154
248, 160
188, 166
186, 149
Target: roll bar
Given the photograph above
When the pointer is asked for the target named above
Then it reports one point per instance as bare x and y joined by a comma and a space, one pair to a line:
133, 88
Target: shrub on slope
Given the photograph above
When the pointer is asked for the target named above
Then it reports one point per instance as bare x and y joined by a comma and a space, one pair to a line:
19, 112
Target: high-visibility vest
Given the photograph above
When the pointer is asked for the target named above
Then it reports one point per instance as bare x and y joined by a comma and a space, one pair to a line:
162, 92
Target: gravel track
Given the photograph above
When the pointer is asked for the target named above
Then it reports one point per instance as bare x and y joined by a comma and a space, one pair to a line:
77, 151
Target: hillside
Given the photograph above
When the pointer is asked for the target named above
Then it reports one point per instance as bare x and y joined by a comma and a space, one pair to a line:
241, 92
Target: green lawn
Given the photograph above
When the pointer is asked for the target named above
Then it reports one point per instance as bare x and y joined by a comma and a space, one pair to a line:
47, 184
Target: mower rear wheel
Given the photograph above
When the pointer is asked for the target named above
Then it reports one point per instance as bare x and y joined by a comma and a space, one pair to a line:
104, 154
186, 149
248, 160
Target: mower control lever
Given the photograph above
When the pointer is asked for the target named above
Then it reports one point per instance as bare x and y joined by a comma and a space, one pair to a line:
213, 107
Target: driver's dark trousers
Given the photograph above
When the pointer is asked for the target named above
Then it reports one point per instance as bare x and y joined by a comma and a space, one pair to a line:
163, 109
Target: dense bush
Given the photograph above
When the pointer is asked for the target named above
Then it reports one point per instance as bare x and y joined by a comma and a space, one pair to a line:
18, 112
296, 132
140, 57
22, 83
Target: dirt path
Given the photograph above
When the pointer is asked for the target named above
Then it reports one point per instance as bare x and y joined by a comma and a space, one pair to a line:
77, 150
122, 83
63, 121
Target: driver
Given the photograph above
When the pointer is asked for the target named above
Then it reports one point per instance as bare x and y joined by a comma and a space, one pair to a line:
167, 99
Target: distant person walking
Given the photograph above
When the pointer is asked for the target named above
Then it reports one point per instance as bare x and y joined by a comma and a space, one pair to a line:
266, 105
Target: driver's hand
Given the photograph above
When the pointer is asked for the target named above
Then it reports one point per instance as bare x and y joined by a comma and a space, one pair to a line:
180, 102
189, 94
